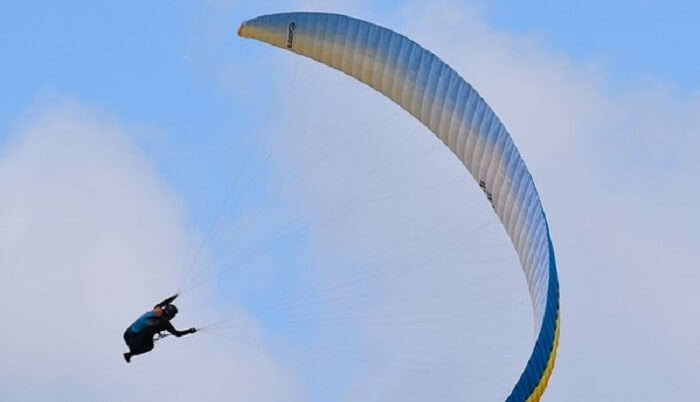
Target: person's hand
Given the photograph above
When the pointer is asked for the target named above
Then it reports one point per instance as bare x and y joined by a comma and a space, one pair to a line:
192, 330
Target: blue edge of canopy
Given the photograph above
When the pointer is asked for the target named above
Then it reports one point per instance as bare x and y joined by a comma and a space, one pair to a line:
544, 347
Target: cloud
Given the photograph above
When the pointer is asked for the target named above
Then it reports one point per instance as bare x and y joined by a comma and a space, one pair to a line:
412, 263
404, 285
90, 238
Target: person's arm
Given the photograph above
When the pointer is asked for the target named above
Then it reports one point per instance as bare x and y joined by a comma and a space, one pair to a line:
166, 301
169, 327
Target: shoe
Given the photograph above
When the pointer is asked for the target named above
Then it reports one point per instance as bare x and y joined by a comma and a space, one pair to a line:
127, 357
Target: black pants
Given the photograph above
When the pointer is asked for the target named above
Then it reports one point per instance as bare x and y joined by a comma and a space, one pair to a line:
138, 343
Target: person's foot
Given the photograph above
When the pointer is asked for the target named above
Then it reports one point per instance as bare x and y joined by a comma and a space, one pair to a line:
127, 357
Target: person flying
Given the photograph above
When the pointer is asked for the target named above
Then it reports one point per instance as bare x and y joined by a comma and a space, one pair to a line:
139, 335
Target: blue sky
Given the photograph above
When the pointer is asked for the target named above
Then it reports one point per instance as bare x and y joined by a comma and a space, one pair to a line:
163, 66
637, 40
145, 147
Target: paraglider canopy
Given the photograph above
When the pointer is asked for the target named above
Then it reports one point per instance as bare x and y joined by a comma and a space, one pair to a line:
430, 90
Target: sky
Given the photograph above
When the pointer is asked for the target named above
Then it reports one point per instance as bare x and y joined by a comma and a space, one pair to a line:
328, 244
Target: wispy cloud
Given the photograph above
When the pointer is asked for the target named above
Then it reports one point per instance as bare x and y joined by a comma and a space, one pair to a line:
396, 213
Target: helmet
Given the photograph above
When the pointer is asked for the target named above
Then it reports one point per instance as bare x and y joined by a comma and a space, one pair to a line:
169, 311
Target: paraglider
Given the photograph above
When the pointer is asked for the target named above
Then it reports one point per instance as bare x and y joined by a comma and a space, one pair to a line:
435, 94
140, 335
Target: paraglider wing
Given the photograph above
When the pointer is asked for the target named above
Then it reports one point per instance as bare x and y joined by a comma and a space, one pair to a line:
435, 94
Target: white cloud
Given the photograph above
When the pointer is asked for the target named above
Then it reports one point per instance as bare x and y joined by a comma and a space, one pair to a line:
89, 239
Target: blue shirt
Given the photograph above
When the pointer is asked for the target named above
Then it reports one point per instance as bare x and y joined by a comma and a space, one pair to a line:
146, 320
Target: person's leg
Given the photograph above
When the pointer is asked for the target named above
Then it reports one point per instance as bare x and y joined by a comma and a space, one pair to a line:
137, 346
129, 340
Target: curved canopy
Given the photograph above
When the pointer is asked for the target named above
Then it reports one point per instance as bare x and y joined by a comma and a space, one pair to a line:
435, 94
